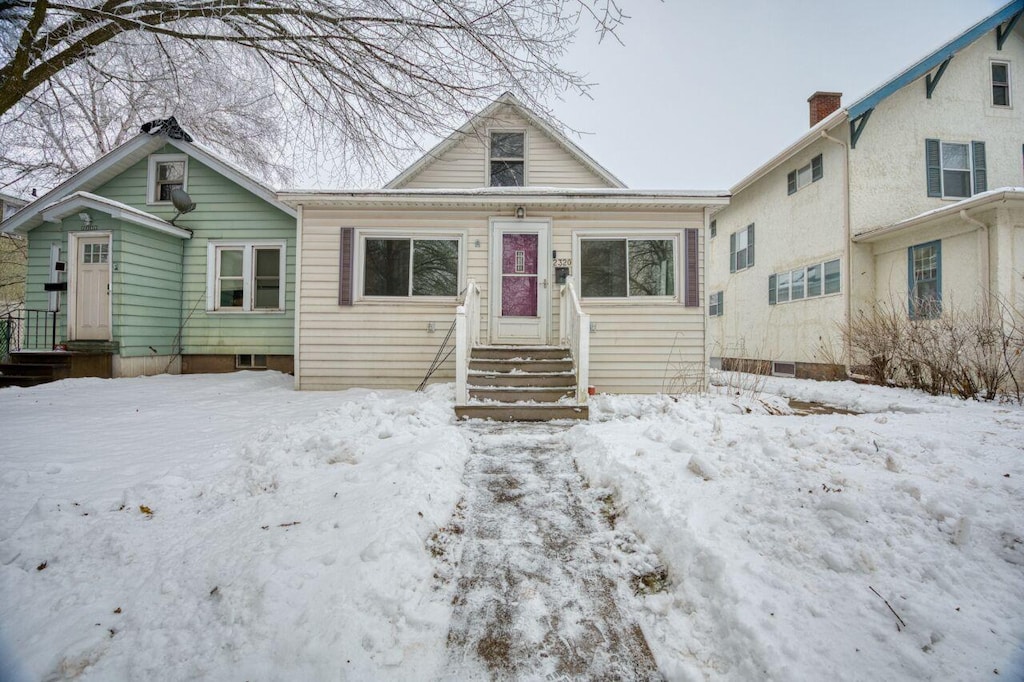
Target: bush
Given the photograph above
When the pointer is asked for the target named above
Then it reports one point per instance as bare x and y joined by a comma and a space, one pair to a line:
969, 353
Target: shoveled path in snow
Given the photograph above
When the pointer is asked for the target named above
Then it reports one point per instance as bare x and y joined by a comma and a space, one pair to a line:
533, 599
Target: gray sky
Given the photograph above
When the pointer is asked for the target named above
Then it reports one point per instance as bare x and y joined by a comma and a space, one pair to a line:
704, 91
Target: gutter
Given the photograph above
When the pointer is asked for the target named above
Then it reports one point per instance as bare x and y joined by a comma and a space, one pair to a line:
847, 246
985, 253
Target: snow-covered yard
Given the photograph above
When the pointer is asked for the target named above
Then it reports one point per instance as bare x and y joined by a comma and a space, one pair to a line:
227, 527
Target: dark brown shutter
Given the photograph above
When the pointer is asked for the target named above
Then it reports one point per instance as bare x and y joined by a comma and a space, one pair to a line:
345, 266
692, 293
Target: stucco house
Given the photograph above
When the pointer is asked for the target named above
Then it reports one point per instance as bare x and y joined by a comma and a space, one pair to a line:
125, 284
911, 197
512, 237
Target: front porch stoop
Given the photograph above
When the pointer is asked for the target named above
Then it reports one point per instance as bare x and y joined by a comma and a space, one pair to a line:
521, 383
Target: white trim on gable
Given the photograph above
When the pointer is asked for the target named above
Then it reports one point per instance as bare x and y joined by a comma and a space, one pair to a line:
151, 176
488, 113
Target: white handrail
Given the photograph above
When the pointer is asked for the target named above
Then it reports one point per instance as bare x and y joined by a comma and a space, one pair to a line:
467, 335
574, 332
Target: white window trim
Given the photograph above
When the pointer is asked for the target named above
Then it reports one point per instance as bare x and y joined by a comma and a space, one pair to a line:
715, 303
526, 154
675, 235
969, 169
805, 270
154, 159
992, 84
248, 276
732, 254
361, 235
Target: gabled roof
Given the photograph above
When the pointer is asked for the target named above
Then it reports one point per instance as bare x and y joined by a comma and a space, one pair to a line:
473, 125
858, 113
74, 203
120, 159
1009, 13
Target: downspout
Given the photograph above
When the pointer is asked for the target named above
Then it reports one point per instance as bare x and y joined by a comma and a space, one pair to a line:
986, 266
847, 249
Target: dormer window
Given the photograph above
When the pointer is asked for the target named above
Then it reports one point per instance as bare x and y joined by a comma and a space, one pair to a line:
167, 172
508, 159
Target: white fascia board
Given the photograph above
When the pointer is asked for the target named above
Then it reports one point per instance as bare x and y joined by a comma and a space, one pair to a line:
79, 201
807, 139
470, 198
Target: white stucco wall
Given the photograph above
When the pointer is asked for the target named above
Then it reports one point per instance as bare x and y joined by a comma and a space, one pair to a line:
790, 231
887, 168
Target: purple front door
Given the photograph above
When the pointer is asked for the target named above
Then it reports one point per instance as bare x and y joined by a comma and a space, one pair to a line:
519, 275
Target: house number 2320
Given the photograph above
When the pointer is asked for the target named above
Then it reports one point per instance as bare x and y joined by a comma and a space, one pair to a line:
563, 262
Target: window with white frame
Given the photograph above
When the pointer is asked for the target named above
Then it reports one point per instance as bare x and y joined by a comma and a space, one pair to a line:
805, 175
924, 275
955, 170
714, 229
397, 266
508, 158
246, 276
715, 307
741, 249
167, 172
1000, 84
627, 267
812, 281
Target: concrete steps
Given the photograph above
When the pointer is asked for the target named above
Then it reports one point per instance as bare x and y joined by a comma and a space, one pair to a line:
521, 383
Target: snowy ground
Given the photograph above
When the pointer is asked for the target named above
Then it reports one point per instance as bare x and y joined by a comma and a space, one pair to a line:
226, 527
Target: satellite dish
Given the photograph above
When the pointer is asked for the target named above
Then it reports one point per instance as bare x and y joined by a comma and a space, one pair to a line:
182, 203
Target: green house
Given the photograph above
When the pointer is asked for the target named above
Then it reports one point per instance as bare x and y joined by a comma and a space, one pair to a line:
142, 284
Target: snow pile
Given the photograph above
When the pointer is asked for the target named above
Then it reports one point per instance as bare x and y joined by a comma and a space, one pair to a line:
222, 527
227, 527
785, 536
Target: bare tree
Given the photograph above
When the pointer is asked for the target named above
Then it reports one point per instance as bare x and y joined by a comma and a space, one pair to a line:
83, 113
365, 79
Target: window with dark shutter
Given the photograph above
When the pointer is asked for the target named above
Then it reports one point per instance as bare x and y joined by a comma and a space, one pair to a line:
692, 297
771, 290
817, 170
791, 183
345, 266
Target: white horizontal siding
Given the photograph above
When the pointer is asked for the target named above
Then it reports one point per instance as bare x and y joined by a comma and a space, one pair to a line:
464, 165
387, 344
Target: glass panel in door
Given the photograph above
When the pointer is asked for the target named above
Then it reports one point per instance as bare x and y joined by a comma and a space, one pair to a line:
519, 275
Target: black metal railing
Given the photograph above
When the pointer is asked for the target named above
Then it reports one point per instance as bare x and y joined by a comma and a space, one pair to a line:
28, 330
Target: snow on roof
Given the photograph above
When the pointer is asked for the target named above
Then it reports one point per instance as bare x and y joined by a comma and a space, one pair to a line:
78, 201
976, 201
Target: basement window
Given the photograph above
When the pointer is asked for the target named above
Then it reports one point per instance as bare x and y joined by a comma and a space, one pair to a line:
250, 361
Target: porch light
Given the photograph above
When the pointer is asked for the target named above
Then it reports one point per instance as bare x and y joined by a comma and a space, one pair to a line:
520, 212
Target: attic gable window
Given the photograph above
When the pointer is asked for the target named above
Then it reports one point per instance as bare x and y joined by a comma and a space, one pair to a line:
167, 172
801, 177
1000, 84
508, 159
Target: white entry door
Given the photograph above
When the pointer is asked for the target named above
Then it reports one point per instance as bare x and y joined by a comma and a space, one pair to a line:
519, 292
92, 288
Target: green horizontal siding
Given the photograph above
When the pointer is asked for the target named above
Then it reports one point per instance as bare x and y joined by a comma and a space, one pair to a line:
223, 211
146, 291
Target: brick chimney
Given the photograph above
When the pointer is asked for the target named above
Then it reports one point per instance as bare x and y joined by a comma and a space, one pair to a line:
823, 104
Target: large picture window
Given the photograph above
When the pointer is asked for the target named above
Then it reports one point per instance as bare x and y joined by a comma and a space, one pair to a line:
246, 276
624, 268
404, 266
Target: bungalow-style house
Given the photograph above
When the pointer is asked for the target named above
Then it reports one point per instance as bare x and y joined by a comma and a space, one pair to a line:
130, 283
911, 197
538, 260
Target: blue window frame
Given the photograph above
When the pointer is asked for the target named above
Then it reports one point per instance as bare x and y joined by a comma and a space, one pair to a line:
924, 280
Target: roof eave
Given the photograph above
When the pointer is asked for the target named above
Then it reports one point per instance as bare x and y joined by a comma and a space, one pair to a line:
77, 202
975, 203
